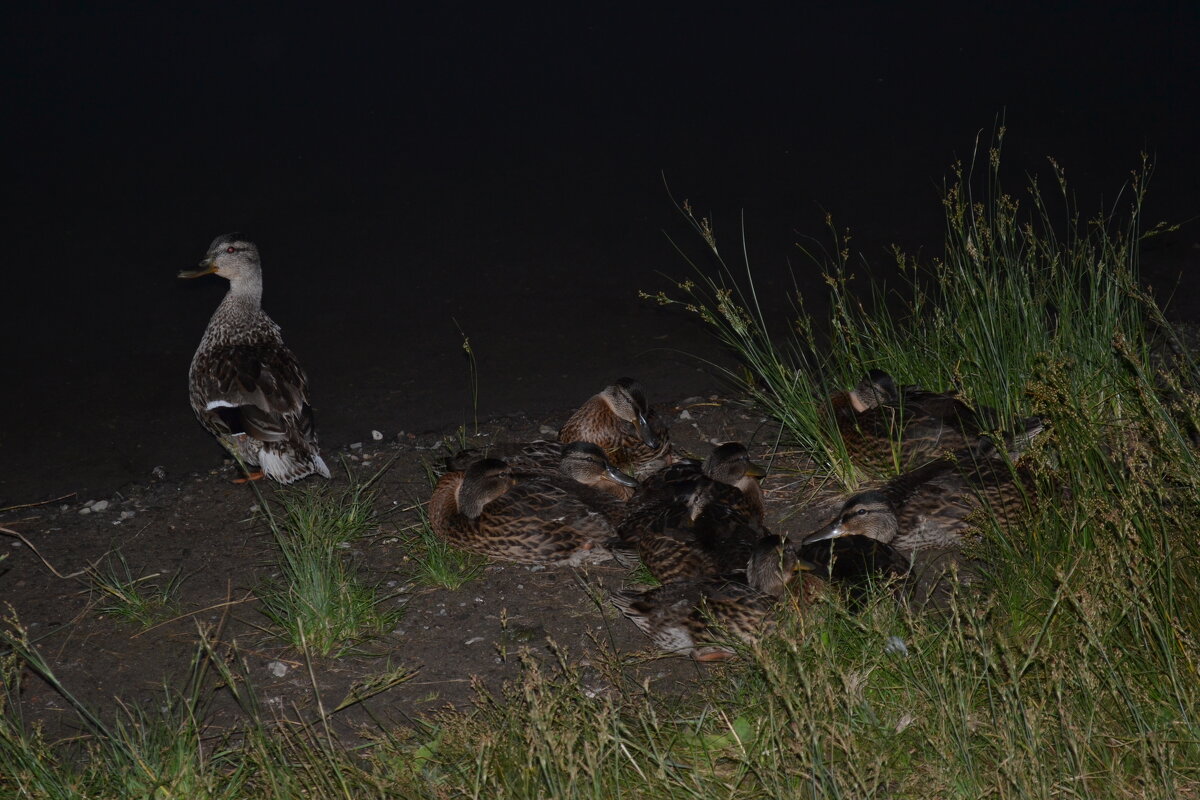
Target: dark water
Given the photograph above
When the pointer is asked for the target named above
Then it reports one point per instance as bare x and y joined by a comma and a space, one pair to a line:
408, 176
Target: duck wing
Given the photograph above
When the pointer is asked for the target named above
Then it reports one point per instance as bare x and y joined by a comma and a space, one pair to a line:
257, 389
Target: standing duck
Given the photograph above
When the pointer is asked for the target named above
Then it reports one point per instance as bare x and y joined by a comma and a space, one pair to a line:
620, 421
696, 618
245, 386
529, 518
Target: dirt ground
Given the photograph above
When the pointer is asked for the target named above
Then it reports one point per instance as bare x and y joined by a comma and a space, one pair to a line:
207, 530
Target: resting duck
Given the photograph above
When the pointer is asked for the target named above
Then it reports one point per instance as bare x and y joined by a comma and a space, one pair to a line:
929, 507
620, 421
529, 518
245, 386
725, 483
583, 462
695, 617
886, 427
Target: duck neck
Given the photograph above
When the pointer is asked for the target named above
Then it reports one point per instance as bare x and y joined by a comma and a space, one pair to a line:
752, 491
245, 290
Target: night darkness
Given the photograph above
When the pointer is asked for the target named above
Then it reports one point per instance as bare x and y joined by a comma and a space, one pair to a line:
409, 173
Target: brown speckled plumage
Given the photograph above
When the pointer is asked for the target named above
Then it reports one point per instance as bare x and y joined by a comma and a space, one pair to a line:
886, 427
696, 617
523, 517
620, 421
245, 385
931, 507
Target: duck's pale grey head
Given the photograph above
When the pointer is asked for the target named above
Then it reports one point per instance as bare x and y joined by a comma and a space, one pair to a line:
730, 462
587, 464
627, 400
483, 482
868, 514
233, 257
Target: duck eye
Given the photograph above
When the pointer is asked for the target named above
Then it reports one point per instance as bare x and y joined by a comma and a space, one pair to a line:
861, 511
231, 249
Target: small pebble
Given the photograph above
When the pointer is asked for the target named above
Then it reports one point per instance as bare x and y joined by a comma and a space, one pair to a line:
277, 668
99, 505
377, 435
158, 473
685, 414
85, 510
474, 640
356, 446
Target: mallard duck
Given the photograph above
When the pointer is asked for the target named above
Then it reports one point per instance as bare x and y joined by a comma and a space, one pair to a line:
885, 426
530, 518
725, 483
245, 386
620, 421
929, 507
695, 617
582, 462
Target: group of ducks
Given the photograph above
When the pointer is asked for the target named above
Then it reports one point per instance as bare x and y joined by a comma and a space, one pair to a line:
611, 486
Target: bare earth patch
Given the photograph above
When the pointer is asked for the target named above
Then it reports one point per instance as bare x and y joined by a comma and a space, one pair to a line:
211, 534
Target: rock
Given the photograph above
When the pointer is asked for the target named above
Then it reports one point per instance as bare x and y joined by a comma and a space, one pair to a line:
99, 505
685, 414
277, 668
158, 473
377, 435
356, 446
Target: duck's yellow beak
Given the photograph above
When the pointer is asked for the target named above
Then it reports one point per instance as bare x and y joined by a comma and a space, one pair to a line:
207, 267
755, 470
803, 565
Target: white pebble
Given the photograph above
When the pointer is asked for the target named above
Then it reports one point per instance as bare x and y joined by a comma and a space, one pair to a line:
473, 640
377, 435
85, 510
277, 668
685, 414
99, 505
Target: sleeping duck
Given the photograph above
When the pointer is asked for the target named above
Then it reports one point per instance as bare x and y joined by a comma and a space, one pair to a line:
529, 518
245, 386
620, 421
886, 427
699, 618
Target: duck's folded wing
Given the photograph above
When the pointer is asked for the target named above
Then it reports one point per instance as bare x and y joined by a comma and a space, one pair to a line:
256, 390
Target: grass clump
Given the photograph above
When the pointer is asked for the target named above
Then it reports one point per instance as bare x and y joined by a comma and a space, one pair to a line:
319, 601
436, 562
141, 600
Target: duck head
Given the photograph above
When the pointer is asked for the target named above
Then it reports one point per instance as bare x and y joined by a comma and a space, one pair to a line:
774, 565
627, 400
586, 463
483, 482
233, 257
730, 463
873, 391
868, 514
